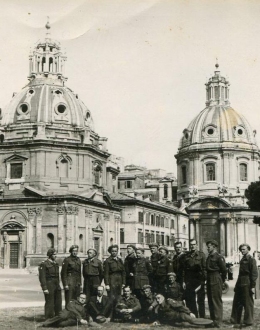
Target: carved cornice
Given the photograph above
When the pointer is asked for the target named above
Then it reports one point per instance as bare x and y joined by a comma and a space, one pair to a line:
240, 219
72, 210
88, 213
60, 210
38, 210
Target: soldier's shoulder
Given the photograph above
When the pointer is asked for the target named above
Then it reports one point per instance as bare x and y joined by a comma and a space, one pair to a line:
42, 264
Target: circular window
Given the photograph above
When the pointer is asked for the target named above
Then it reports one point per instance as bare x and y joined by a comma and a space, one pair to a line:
61, 108
210, 131
31, 91
240, 131
186, 136
87, 115
23, 109
58, 92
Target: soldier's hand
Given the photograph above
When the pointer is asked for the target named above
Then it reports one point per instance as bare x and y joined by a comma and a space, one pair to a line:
252, 290
83, 321
123, 285
192, 315
131, 274
184, 285
66, 287
46, 292
107, 287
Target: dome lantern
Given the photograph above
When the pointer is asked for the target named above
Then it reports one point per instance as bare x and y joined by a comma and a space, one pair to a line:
217, 89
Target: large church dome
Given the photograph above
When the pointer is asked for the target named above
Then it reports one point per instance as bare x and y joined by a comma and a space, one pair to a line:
218, 122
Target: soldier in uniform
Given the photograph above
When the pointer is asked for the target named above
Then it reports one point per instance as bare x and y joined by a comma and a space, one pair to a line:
92, 273
142, 268
164, 267
173, 289
114, 273
177, 262
194, 279
148, 304
245, 288
50, 283
127, 307
71, 275
216, 275
154, 262
129, 261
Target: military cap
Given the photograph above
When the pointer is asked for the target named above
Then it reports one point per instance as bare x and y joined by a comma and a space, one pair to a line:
100, 319
92, 250
50, 252
111, 247
164, 248
132, 246
171, 274
73, 247
153, 244
213, 242
140, 249
146, 286
244, 244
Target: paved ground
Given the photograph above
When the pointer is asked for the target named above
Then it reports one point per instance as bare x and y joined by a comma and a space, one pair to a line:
19, 288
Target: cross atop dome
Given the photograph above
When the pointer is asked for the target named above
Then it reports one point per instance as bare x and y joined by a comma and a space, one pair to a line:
47, 61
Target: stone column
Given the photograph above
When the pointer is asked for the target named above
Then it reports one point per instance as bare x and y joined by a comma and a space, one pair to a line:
20, 249
61, 233
6, 256
70, 227
76, 225
88, 218
246, 236
222, 236
106, 234
38, 211
197, 231
31, 246
228, 237
192, 229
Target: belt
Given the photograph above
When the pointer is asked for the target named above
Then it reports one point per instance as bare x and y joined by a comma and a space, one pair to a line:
213, 273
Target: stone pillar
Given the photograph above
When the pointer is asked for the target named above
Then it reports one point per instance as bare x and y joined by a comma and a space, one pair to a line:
222, 249
246, 236
88, 218
31, 246
192, 229
6, 256
70, 227
76, 225
38, 211
117, 229
61, 233
20, 249
106, 234
228, 237
197, 232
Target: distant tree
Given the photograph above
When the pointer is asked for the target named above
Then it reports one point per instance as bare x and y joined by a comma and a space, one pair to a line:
252, 194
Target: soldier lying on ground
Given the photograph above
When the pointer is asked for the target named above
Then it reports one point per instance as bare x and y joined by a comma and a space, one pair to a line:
73, 314
172, 312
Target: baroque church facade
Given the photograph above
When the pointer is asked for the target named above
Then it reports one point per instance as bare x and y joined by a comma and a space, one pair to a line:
216, 161
55, 176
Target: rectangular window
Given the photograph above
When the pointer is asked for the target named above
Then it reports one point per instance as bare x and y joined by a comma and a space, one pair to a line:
184, 174
210, 172
243, 172
152, 219
147, 237
167, 243
167, 223
172, 240
152, 237
140, 236
162, 222
172, 224
147, 219
157, 221
16, 171
162, 238
140, 217
128, 184
118, 184
122, 235
157, 237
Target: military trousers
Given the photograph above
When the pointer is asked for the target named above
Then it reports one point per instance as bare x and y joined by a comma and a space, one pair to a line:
214, 293
243, 299
91, 283
53, 300
192, 299
74, 289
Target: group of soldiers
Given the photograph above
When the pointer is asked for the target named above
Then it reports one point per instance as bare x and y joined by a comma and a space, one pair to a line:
158, 289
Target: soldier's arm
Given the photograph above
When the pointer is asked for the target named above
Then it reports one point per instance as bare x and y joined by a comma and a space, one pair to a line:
149, 267
123, 273
64, 274
42, 276
137, 306
253, 273
100, 271
222, 267
203, 266
106, 272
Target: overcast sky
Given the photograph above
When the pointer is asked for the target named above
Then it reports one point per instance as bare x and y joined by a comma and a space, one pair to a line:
140, 66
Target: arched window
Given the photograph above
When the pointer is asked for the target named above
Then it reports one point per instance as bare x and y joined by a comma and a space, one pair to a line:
184, 174
210, 172
50, 64
97, 174
43, 62
243, 172
50, 241
165, 191
64, 168
80, 243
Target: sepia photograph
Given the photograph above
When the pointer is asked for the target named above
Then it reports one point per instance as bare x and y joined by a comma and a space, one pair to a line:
129, 164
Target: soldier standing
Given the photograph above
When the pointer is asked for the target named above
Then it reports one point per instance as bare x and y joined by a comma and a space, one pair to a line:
71, 275
92, 273
129, 262
178, 261
164, 267
154, 262
194, 279
142, 268
50, 283
245, 288
114, 273
216, 275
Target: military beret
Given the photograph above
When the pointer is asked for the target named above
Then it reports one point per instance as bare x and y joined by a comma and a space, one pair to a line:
153, 244
140, 249
73, 247
100, 319
132, 246
146, 286
164, 248
111, 247
50, 252
171, 274
244, 244
92, 250
213, 242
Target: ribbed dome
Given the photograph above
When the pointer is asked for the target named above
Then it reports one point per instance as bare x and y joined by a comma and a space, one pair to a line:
46, 102
218, 123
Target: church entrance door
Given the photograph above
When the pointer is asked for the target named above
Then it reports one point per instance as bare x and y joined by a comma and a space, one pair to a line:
14, 255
